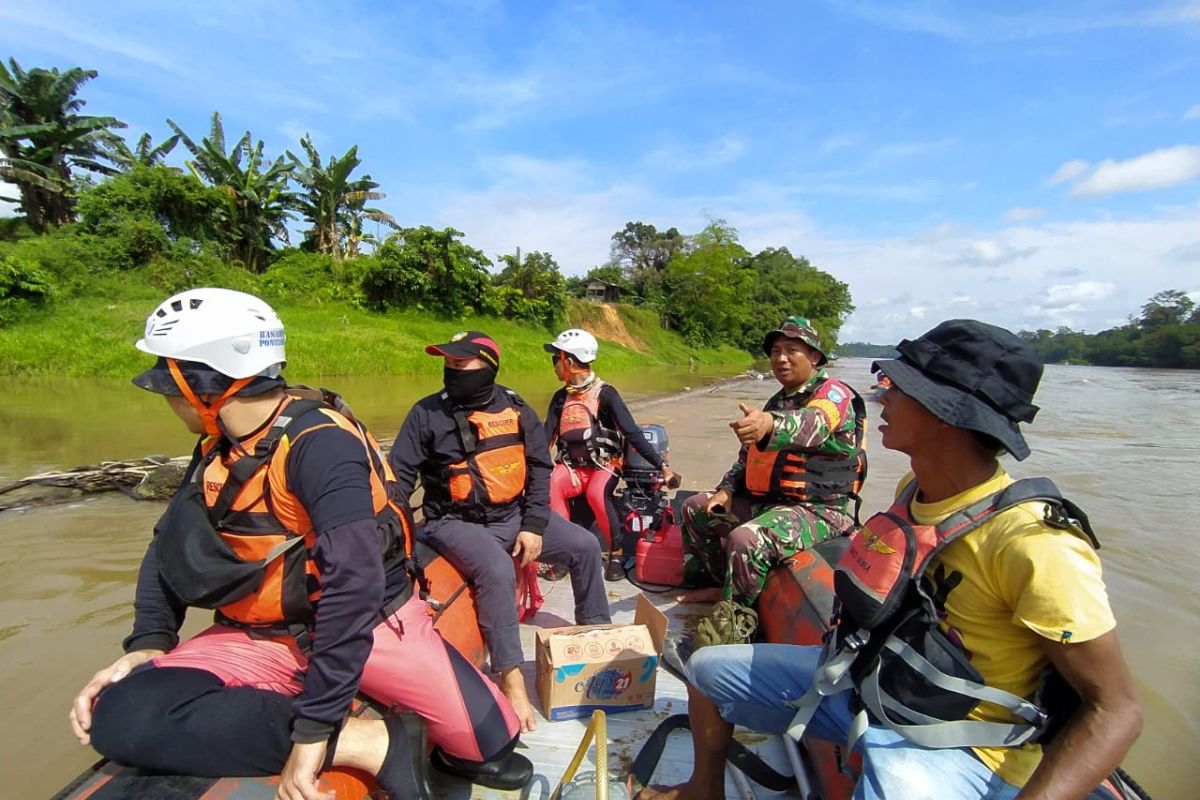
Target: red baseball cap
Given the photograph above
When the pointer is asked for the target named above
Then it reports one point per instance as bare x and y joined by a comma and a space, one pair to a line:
468, 344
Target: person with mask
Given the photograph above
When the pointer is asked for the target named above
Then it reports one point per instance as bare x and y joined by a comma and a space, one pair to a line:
590, 424
285, 527
481, 456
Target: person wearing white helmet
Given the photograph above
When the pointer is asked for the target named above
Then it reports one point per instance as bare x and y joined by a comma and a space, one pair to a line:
285, 509
589, 423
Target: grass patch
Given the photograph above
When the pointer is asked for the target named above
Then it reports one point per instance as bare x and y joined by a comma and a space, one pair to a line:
93, 337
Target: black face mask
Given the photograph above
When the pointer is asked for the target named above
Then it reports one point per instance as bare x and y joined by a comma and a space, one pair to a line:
470, 388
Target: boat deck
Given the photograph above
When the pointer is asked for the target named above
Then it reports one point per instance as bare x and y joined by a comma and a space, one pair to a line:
552, 745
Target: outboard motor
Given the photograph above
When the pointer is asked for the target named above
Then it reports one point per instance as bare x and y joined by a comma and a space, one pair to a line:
643, 501
648, 516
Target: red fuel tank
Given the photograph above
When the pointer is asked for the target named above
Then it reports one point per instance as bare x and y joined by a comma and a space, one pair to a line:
660, 559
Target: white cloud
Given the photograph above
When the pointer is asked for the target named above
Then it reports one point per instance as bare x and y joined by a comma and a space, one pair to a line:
1081, 274
66, 28
992, 253
1065, 294
908, 149
7, 208
840, 141
1192, 113
1068, 172
1156, 170
679, 157
964, 23
1023, 214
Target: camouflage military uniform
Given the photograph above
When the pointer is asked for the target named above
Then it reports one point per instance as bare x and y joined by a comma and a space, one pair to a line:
818, 418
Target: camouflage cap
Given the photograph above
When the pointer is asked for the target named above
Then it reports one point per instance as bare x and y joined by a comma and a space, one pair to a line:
796, 327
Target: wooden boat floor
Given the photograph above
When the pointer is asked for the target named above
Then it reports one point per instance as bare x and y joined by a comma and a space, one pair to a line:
551, 746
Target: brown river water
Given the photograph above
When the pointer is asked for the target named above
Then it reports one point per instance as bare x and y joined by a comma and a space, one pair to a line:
1123, 443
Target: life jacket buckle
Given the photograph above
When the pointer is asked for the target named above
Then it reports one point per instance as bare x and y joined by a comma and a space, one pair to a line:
853, 643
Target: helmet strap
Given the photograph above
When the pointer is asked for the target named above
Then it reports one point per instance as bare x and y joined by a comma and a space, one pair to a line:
208, 411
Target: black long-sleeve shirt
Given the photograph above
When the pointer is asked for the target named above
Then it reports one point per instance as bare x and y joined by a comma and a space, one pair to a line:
429, 442
328, 471
612, 414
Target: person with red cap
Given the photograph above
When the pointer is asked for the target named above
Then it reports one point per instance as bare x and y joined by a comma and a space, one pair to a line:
480, 453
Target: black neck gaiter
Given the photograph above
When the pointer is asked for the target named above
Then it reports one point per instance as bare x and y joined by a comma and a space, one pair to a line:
470, 388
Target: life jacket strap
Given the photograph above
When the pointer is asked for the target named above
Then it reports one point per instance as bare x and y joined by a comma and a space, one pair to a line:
301, 632
941, 734
831, 677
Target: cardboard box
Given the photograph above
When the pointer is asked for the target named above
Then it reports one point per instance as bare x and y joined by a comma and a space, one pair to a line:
609, 667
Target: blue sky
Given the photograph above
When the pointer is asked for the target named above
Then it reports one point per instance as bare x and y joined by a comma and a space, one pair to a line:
1030, 164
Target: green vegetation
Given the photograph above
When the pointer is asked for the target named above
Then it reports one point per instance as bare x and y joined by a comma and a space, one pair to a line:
713, 291
1167, 334
92, 337
79, 272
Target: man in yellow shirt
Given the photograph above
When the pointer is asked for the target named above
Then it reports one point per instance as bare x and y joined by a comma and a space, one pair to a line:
1013, 589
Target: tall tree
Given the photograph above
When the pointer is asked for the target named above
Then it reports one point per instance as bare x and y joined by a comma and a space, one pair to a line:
334, 204
42, 138
536, 289
784, 285
261, 200
1169, 307
144, 154
643, 252
707, 290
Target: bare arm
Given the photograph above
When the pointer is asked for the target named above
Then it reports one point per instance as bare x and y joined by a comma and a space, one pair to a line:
1101, 732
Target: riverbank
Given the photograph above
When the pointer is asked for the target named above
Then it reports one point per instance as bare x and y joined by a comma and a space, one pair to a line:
93, 337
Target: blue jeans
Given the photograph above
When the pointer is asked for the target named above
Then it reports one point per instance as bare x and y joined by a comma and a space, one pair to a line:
753, 683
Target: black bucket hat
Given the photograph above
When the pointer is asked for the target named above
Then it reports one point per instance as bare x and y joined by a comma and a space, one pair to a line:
202, 378
971, 375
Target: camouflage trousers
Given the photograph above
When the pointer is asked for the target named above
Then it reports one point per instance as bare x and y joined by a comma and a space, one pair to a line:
781, 531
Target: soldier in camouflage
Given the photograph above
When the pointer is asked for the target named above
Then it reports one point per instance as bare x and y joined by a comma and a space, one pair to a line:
794, 483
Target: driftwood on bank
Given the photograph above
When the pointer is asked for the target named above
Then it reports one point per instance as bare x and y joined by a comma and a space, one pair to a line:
150, 478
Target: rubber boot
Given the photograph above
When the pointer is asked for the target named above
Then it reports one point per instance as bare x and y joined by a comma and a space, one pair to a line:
506, 770
405, 771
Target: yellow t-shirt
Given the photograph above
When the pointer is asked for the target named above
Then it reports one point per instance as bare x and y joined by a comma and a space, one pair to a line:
1021, 579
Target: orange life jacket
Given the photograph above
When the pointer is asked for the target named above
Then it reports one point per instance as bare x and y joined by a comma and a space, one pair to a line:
247, 554
809, 476
582, 440
493, 472
889, 646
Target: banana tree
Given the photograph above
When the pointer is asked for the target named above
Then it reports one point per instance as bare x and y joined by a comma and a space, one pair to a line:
258, 191
144, 154
333, 204
42, 138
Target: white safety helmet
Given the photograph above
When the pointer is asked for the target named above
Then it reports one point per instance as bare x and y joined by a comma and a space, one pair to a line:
235, 333
576, 342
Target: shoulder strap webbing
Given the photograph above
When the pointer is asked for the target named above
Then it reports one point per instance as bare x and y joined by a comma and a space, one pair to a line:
247, 465
1060, 512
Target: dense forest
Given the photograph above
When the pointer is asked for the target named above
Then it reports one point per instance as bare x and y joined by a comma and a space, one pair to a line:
1165, 334
99, 213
